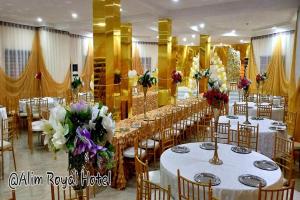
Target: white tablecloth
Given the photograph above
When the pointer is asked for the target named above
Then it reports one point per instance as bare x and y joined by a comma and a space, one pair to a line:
3, 115
234, 165
277, 112
265, 134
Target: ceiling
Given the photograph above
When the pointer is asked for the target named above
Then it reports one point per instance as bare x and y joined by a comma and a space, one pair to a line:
247, 17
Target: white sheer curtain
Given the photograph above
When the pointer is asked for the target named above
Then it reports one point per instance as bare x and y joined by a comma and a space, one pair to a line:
79, 50
15, 47
61, 49
147, 50
263, 48
56, 52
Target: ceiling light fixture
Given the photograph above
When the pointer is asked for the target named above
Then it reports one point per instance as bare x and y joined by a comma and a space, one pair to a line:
233, 31
194, 28
74, 15
202, 25
184, 39
39, 19
121, 10
175, 1
193, 36
241, 41
274, 27
157, 37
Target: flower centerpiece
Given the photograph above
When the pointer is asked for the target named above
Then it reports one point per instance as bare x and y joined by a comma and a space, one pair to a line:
244, 84
260, 78
85, 132
75, 85
216, 97
198, 75
177, 78
146, 81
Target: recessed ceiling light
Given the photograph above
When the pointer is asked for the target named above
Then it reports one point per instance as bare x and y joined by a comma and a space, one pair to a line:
233, 31
194, 28
193, 36
242, 41
39, 19
192, 44
202, 25
74, 15
121, 9
175, 0
184, 39
274, 27
157, 37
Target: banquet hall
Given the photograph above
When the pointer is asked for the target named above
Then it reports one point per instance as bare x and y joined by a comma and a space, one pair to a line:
149, 100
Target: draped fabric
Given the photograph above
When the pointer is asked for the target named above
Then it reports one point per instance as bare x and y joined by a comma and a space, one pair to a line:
22, 83
276, 84
88, 70
252, 69
15, 47
136, 60
222, 52
25, 85
242, 48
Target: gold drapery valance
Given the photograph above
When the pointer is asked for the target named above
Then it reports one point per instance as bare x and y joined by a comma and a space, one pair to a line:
27, 86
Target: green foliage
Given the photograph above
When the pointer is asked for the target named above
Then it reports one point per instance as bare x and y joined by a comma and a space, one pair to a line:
76, 83
146, 80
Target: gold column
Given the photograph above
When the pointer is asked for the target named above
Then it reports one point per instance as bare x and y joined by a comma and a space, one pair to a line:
205, 44
107, 49
174, 58
164, 58
126, 61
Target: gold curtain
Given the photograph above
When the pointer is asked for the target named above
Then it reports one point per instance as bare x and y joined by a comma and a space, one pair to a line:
223, 54
88, 69
26, 85
136, 61
276, 84
242, 48
252, 69
185, 61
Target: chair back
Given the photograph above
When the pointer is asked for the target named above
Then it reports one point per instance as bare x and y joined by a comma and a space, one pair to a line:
223, 130
8, 130
264, 111
188, 190
204, 133
248, 136
58, 193
283, 155
284, 193
141, 173
152, 191
290, 120
239, 109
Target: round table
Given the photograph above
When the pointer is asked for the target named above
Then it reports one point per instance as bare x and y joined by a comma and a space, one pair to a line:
277, 112
265, 134
234, 165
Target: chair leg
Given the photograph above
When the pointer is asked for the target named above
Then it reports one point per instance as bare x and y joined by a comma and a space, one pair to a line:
2, 165
13, 153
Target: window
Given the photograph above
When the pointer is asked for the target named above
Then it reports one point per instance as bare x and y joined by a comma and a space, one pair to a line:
146, 63
265, 60
15, 61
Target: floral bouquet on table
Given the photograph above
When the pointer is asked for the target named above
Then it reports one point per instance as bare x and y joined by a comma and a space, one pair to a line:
85, 132
177, 77
146, 81
216, 95
261, 77
244, 84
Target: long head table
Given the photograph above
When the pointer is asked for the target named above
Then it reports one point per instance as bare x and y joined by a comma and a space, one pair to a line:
125, 134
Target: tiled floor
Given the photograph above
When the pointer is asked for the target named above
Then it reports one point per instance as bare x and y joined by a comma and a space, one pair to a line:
41, 161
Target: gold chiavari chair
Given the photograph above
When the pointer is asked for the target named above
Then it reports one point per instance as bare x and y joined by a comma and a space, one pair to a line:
233, 86
264, 111
12, 105
68, 194
153, 191
239, 109
290, 120
241, 96
150, 144
13, 195
34, 105
204, 133
8, 132
188, 190
284, 193
262, 98
223, 130
283, 155
43, 107
142, 173
167, 134
247, 136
